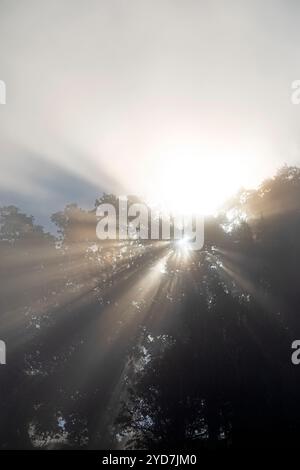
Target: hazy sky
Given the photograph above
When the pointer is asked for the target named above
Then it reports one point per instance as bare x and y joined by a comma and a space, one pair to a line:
115, 94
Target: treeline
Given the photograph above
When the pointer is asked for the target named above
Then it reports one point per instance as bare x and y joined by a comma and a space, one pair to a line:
211, 366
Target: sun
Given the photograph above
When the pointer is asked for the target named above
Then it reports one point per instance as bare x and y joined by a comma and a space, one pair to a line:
197, 182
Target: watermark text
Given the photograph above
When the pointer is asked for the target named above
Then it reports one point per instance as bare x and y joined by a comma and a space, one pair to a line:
2, 92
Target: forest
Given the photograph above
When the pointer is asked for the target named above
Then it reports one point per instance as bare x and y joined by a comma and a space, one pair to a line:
140, 344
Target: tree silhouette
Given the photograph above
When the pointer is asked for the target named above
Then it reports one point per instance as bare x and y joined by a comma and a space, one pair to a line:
145, 345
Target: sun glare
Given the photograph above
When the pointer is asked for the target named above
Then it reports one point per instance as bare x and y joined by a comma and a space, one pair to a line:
187, 182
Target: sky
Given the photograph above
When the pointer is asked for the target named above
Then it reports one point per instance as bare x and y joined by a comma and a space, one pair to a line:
175, 100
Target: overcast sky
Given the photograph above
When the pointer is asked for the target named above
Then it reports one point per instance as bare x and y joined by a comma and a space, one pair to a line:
99, 92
